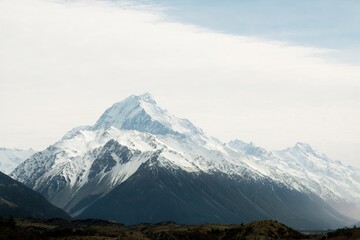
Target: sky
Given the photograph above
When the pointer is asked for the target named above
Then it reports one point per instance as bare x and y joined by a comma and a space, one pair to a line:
263, 72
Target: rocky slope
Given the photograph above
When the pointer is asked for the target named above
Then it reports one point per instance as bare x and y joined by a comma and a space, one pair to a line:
18, 200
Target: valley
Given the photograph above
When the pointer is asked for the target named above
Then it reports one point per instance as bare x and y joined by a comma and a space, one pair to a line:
98, 229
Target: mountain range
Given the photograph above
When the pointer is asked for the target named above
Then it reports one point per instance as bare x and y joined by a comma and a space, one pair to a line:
139, 163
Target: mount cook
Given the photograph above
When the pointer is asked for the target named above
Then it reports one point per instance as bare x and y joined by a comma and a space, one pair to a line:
138, 163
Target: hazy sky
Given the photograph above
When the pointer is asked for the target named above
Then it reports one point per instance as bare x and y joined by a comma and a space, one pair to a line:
271, 74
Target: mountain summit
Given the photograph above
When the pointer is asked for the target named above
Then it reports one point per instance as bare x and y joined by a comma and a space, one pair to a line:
142, 113
139, 163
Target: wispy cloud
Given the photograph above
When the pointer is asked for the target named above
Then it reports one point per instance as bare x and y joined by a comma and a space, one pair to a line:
63, 62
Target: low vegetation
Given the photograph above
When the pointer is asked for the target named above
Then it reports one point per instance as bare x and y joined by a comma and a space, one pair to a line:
56, 228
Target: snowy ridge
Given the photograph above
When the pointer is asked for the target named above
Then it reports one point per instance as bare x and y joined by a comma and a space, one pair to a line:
141, 113
69, 162
92, 160
308, 170
330, 179
11, 158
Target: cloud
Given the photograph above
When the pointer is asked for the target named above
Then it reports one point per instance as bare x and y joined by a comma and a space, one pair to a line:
63, 62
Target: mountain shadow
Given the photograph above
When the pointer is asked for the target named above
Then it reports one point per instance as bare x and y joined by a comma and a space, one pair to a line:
154, 194
17, 200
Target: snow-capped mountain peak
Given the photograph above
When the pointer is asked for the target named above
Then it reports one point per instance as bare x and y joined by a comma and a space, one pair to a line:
11, 158
146, 97
238, 144
303, 149
135, 138
248, 148
142, 113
